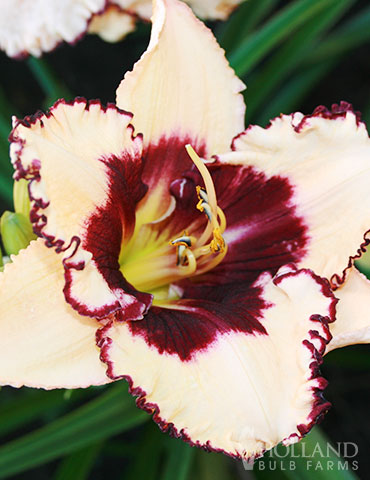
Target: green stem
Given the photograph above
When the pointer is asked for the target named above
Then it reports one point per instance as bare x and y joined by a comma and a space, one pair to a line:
47, 80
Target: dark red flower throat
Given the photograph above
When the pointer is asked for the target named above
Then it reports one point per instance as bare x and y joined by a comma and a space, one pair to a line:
263, 233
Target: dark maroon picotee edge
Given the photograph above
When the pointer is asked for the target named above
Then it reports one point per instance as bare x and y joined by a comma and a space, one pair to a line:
337, 111
319, 405
39, 219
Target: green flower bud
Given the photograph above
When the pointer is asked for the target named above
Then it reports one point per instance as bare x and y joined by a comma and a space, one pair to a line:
16, 232
21, 198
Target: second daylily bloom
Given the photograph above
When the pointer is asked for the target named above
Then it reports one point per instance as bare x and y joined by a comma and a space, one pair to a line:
37, 26
167, 248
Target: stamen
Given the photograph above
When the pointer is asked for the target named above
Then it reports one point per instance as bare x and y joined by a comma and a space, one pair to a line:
201, 259
185, 257
180, 254
190, 264
213, 263
157, 269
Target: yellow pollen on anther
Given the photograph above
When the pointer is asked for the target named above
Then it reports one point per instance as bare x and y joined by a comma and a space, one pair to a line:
217, 244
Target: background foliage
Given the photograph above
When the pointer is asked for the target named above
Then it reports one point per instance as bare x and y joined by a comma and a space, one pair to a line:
293, 56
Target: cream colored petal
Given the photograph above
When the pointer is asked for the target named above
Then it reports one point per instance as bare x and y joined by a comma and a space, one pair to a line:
112, 25
77, 157
352, 324
243, 393
326, 159
142, 8
206, 9
44, 342
66, 148
213, 9
37, 26
183, 85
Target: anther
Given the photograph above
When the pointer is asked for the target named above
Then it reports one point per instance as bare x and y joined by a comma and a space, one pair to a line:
185, 240
203, 204
217, 244
202, 194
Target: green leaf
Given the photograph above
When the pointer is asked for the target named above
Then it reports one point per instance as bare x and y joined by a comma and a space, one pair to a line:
366, 118
78, 465
243, 21
48, 81
7, 110
293, 92
312, 457
212, 466
353, 33
291, 55
179, 460
24, 409
264, 472
353, 357
246, 55
112, 413
147, 455
6, 169
5, 128
6, 188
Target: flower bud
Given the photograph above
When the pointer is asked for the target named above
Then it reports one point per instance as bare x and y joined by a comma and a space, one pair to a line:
16, 232
21, 198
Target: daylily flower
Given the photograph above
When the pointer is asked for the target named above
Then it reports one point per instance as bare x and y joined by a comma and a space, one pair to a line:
168, 242
37, 26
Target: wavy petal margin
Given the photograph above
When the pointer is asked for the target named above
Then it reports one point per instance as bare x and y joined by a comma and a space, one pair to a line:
37, 26
183, 85
41, 25
352, 324
213, 9
206, 9
326, 158
244, 393
142, 8
44, 342
113, 24
83, 160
